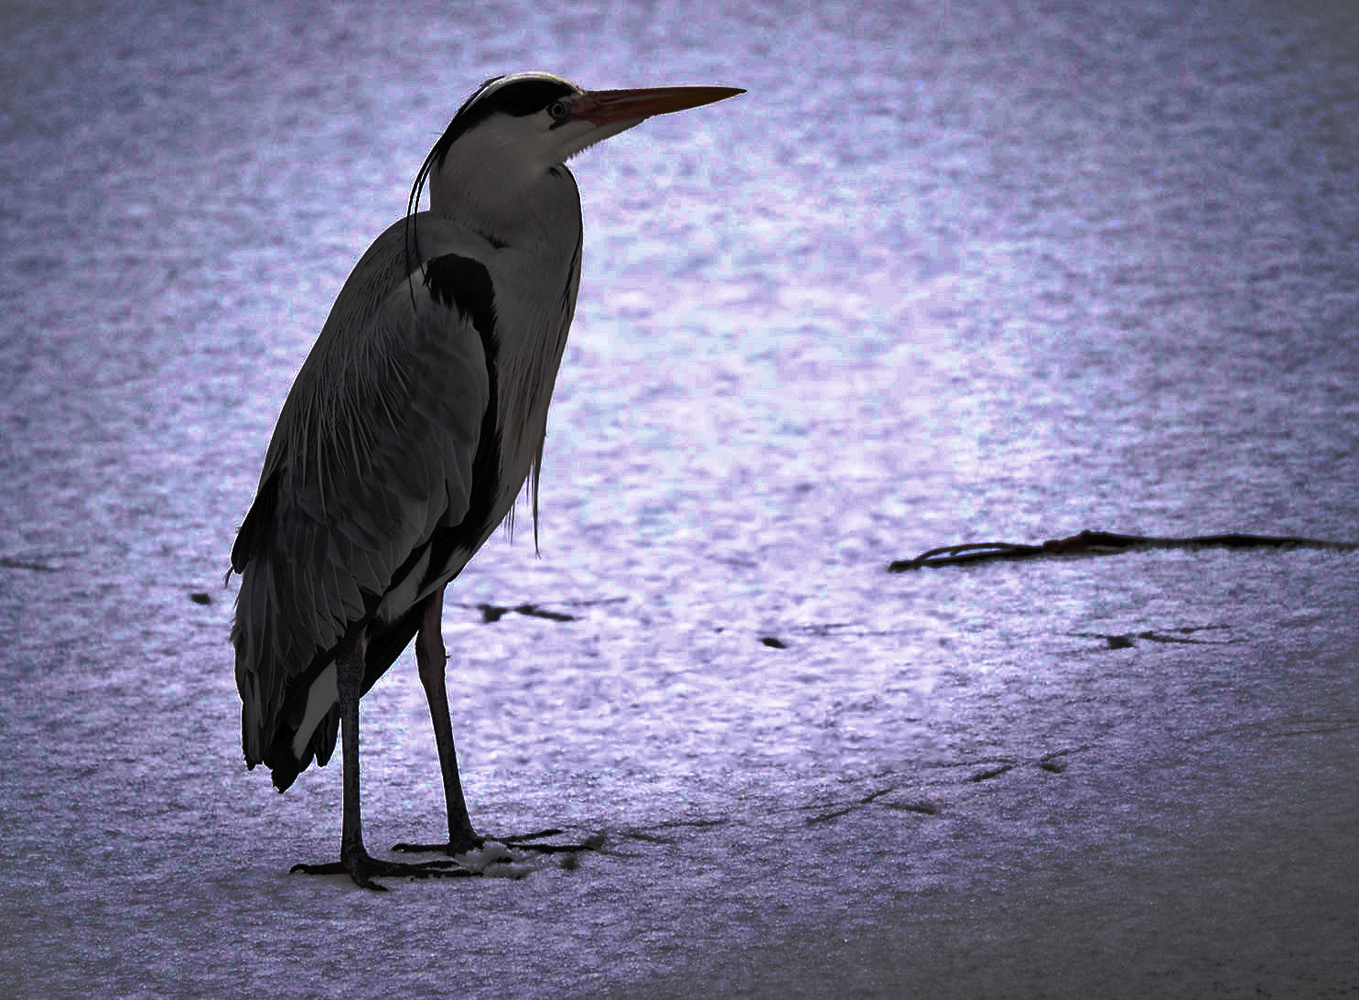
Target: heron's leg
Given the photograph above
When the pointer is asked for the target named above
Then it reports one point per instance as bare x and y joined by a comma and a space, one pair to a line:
354, 859
432, 659
349, 680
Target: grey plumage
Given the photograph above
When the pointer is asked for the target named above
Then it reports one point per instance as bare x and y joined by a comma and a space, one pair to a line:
373, 452
416, 420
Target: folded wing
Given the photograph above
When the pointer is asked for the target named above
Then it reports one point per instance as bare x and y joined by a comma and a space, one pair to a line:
384, 447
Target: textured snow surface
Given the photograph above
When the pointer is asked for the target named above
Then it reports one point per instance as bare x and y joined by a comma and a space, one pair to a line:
946, 273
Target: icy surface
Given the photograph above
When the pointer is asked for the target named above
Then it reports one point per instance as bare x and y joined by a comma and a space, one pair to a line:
946, 273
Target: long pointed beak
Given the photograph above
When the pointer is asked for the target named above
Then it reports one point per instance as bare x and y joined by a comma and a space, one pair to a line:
604, 106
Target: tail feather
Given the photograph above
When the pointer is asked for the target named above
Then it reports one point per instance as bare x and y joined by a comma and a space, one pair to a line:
276, 738
284, 765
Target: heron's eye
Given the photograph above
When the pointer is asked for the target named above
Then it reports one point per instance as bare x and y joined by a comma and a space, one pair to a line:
559, 110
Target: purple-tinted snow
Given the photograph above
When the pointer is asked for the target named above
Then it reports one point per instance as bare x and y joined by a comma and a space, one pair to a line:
943, 274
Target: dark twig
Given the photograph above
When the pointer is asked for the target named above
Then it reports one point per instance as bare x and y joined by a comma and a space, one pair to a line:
1104, 543
9, 562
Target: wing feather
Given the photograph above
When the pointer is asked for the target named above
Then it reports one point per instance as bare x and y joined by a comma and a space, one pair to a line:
374, 450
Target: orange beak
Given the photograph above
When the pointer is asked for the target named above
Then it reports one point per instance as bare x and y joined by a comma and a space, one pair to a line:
604, 106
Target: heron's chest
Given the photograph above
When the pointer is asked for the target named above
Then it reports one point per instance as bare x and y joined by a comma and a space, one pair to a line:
534, 307
525, 384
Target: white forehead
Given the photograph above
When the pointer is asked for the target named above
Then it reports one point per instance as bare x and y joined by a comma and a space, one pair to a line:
500, 82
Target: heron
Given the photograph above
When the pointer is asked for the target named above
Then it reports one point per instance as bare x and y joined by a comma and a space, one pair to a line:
410, 431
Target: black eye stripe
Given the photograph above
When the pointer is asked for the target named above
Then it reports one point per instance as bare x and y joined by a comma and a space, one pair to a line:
517, 98
522, 97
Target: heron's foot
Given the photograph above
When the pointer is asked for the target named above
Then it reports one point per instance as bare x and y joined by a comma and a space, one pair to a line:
362, 867
524, 842
452, 847
514, 841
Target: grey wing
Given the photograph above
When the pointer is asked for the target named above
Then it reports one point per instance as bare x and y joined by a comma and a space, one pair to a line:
374, 450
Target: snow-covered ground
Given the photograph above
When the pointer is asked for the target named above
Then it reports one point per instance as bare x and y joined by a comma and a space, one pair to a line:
942, 275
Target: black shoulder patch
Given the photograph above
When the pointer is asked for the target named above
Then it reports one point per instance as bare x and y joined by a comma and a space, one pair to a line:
464, 284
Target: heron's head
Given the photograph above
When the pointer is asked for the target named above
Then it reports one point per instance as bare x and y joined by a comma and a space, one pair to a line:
515, 129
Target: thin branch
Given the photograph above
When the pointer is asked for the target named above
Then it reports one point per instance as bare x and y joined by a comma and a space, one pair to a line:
1104, 543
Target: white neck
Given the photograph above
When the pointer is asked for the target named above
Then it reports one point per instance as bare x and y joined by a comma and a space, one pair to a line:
530, 212
491, 182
